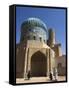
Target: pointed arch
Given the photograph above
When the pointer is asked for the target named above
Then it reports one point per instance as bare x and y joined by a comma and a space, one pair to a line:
38, 64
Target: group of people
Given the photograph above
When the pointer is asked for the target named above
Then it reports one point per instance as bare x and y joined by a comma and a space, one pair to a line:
50, 76
54, 75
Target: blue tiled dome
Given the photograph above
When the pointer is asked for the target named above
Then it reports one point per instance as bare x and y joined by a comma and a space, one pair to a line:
33, 28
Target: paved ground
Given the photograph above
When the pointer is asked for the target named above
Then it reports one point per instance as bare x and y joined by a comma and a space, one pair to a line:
38, 79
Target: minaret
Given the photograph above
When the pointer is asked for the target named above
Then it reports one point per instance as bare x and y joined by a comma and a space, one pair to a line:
51, 37
52, 43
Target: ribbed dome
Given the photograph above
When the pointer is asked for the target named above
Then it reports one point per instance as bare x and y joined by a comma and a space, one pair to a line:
34, 22
33, 27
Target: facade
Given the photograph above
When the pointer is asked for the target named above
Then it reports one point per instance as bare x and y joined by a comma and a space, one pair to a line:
61, 65
37, 50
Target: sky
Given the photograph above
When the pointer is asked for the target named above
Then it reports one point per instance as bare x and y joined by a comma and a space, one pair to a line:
52, 17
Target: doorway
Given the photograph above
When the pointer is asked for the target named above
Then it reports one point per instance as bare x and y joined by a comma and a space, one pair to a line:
38, 64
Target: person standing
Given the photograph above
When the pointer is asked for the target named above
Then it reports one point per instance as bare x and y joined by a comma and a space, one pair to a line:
55, 74
28, 75
51, 76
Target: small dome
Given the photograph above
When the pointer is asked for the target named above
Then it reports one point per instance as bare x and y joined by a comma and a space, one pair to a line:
33, 27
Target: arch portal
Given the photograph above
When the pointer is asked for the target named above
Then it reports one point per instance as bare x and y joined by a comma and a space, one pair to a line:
38, 64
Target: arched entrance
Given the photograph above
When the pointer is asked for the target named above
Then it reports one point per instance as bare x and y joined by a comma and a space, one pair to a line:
38, 64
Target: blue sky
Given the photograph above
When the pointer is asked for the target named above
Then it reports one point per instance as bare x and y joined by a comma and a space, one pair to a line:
53, 18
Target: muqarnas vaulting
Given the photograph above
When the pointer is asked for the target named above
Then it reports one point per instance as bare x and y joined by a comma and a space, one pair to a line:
38, 55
